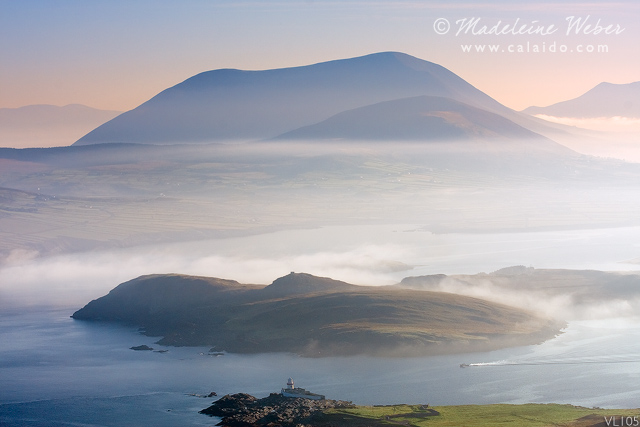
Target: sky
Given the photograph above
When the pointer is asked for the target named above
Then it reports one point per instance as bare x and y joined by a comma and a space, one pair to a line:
117, 54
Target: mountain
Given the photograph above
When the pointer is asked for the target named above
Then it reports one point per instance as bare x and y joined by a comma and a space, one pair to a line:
48, 125
229, 104
604, 100
313, 316
421, 118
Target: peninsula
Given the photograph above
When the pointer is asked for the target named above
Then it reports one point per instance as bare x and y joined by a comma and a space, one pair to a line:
244, 410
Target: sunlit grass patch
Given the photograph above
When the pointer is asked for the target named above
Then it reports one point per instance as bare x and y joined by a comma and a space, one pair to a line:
529, 415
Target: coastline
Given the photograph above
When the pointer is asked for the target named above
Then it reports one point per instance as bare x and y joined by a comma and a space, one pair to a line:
244, 410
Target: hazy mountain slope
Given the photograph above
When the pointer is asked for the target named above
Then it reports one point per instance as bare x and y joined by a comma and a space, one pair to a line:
48, 125
229, 104
604, 100
422, 118
313, 316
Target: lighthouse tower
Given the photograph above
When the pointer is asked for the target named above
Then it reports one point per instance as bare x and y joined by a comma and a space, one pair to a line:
292, 391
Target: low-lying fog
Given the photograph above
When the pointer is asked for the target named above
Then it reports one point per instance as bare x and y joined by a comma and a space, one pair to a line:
80, 220
364, 255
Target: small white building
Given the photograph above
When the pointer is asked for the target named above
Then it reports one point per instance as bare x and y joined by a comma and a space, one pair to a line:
292, 391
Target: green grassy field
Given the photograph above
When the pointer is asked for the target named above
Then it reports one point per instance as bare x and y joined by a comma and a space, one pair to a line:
530, 415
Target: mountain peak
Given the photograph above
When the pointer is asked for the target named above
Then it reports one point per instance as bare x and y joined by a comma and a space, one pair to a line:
303, 283
228, 104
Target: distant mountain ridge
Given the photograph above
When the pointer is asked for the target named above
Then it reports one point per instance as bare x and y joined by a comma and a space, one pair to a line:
49, 125
230, 104
604, 100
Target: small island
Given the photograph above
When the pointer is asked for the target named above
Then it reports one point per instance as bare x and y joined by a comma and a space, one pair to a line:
142, 347
314, 317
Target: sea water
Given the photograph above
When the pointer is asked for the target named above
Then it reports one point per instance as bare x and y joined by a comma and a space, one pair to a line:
56, 371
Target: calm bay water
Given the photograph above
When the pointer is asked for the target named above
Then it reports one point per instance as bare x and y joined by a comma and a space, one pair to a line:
55, 371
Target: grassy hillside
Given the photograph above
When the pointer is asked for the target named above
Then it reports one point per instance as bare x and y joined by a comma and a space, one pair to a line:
529, 415
314, 316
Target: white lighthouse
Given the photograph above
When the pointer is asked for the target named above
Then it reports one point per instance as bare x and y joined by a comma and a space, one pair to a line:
292, 391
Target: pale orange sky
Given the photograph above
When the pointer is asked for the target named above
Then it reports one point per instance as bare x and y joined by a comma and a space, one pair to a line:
116, 55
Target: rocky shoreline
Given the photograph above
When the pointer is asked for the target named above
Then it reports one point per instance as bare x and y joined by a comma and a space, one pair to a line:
276, 410
244, 410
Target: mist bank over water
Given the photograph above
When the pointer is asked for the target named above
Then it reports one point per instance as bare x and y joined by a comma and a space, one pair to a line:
111, 196
362, 255
573, 295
